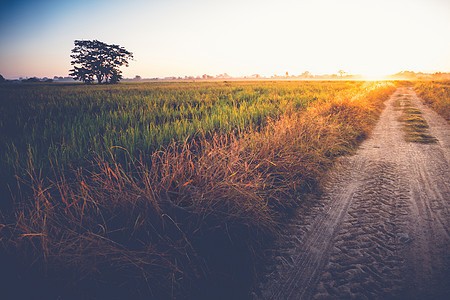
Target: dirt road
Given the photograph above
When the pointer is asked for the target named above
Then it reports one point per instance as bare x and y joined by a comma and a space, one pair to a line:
381, 229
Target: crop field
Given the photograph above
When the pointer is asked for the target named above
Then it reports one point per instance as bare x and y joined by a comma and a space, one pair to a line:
163, 189
67, 122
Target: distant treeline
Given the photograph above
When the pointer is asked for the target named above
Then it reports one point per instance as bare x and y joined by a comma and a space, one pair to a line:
403, 75
37, 79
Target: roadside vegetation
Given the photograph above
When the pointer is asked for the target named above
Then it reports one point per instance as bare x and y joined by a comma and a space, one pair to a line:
437, 95
164, 190
414, 125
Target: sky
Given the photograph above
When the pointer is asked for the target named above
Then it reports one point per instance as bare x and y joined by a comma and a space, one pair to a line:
237, 37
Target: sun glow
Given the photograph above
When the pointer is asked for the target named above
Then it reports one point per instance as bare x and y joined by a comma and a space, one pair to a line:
375, 75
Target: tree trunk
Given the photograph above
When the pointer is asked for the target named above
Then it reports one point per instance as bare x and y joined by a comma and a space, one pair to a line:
99, 78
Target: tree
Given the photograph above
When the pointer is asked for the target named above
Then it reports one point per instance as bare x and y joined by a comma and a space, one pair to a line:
2, 79
342, 72
306, 74
97, 60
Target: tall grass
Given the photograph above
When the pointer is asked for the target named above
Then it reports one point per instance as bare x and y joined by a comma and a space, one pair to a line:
168, 224
437, 95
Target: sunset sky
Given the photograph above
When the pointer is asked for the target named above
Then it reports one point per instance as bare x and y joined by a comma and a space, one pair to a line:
238, 37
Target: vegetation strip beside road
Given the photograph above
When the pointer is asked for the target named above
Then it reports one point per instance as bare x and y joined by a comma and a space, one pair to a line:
178, 219
414, 125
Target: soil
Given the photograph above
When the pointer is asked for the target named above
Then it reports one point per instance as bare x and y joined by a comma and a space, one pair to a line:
380, 230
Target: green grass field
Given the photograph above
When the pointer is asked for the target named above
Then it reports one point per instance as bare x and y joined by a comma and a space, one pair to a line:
164, 188
66, 122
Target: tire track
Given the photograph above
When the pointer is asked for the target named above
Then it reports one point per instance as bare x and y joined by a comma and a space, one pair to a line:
366, 262
305, 242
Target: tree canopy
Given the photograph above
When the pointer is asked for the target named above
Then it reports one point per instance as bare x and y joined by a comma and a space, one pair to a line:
98, 60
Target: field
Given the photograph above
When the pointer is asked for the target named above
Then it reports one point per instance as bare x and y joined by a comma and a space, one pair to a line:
164, 189
67, 122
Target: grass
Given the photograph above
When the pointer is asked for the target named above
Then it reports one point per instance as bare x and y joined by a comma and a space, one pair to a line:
65, 122
437, 95
184, 217
415, 126
398, 104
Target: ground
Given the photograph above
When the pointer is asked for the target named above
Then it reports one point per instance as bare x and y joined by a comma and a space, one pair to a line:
380, 229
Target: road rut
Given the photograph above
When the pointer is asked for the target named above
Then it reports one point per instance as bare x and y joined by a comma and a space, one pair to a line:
381, 228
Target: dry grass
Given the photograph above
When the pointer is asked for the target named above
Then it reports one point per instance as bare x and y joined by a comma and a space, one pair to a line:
437, 95
415, 126
159, 229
